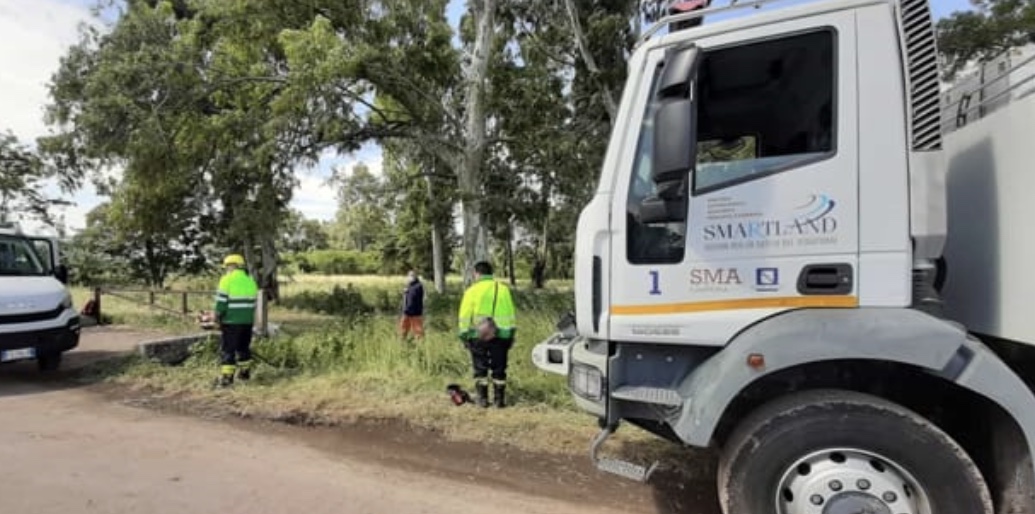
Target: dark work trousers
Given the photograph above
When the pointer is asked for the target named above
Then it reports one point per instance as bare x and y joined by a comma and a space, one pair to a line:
236, 345
490, 356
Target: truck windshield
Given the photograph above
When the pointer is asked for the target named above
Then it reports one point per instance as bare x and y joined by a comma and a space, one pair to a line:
17, 257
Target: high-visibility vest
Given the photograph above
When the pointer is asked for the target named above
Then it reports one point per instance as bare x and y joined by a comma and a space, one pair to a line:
235, 300
477, 304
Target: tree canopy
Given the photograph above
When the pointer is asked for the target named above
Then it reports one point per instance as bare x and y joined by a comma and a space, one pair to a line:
492, 131
991, 28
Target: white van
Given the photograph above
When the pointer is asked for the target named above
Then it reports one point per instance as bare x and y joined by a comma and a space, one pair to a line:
37, 319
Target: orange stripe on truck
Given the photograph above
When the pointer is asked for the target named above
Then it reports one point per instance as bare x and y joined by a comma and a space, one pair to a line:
730, 305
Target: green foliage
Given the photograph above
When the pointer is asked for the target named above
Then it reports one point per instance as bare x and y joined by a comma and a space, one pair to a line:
340, 301
992, 28
22, 173
352, 300
340, 262
364, 343
108, 252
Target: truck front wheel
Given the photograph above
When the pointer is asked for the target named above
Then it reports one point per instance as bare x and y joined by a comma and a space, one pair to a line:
840, 452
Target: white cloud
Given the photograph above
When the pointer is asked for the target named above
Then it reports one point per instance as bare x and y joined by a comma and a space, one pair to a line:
34, 35
318, 199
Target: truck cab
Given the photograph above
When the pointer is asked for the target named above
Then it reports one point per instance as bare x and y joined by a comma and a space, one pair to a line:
759, 270
37, 318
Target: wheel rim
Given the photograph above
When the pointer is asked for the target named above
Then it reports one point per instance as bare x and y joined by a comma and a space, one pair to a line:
846, 481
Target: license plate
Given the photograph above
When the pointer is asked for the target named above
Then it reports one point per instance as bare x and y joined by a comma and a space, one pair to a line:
19, 354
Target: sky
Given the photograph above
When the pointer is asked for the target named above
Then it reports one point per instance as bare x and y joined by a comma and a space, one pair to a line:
34, 34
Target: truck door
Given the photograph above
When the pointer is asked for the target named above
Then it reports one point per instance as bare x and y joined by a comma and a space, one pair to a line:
771, 204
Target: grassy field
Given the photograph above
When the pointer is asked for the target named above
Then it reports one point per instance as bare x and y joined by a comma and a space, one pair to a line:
338, 359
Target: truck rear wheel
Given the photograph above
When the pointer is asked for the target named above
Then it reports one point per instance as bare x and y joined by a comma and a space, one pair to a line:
841, 452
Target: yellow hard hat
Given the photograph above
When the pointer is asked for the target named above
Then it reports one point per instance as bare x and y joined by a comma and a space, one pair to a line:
233, 259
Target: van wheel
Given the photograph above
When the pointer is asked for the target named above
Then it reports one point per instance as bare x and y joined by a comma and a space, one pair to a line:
49, 362
834, 451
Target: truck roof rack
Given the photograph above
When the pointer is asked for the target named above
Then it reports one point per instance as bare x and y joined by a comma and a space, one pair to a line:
669, 19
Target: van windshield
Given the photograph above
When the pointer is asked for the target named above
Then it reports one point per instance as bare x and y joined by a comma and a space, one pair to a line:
17, 257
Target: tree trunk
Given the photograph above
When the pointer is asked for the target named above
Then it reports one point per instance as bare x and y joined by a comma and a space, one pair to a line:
539, 269
476, 240
153, 268
438, 261
268, 280
591, 64
510, 253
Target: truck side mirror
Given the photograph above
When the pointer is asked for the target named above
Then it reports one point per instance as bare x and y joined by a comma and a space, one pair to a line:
675, 137
654, 209
675, 144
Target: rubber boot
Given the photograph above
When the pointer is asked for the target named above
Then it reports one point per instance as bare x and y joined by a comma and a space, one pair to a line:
482, 391
498, 394
225, 381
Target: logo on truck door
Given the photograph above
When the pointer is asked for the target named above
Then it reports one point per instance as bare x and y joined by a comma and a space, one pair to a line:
737, 227
716, 280
767, 279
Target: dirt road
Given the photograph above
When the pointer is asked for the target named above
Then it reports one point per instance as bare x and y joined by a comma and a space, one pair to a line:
71, 449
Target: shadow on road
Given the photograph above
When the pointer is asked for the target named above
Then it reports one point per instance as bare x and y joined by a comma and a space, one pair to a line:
78, 369
683, 485
101, 352
685, 480
673, 494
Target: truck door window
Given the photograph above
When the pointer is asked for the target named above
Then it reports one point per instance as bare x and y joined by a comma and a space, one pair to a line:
763, 108
654, 243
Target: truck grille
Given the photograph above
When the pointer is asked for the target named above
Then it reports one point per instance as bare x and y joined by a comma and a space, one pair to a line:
31, 317
922, 67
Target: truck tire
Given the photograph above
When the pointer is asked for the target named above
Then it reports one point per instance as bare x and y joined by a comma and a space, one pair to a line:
49, 362
831, 451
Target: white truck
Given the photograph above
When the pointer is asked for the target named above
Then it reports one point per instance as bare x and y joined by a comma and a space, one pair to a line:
37, 318
788, 260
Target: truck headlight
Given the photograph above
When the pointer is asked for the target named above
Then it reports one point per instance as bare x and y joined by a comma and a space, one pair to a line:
587, 382
66, 302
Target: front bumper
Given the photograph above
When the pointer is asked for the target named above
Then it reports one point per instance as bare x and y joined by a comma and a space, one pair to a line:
554, 354
567, 353
41, 342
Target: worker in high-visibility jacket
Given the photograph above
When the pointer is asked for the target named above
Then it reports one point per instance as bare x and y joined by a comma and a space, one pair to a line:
487, 327
235, 313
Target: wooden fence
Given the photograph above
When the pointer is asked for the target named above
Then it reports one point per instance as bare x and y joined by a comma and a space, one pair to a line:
184, 302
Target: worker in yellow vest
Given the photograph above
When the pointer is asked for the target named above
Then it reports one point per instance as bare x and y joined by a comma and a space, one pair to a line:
487, 328
235, 314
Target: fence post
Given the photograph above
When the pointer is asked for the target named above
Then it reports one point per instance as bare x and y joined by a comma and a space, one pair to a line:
151, 297
186, 310
261, 313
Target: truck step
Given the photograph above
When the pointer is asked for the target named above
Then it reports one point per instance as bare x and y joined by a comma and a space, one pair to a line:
625, 469
643, 394
615, 466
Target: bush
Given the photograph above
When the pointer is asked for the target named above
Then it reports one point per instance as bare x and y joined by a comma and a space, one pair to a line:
366, 299
341, 301
339, 262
